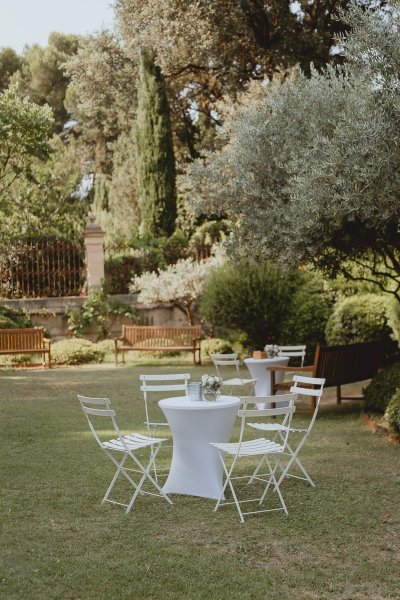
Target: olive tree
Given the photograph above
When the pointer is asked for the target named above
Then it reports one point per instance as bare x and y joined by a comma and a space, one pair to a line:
310, 171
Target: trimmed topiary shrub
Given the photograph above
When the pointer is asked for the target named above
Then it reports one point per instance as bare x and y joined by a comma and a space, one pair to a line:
362, 318
381, 389
215, 346
392, 413
76, 352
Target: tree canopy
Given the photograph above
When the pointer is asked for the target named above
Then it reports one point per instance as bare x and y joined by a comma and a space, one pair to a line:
310, 172
24, 135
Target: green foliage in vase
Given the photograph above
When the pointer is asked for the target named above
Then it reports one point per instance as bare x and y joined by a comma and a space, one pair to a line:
311, 168
155, 154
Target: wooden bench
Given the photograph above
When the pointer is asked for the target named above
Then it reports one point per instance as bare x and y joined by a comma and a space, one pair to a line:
26, 341
160, 339
338, 365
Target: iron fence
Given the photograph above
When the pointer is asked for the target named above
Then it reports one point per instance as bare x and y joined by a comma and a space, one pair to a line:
41, 268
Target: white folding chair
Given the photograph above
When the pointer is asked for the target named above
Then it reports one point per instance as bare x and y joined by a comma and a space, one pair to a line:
300, 389
128, 446
269, 451
160, 383
223, 362
293, 351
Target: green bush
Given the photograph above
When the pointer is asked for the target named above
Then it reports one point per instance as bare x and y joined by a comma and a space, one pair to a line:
258, 303
251, 297
14, 318
76, 352
97, 314
215, 346
393, 314
392, 413
308, 314
118, 272
380, 390
362, 318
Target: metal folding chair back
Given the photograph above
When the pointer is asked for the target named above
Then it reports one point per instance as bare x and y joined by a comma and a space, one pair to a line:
231, 362
268, 452
126, 445
177, 382
302, 386
293, 351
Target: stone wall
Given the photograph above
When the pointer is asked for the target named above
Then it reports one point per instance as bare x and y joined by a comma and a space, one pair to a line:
51, 313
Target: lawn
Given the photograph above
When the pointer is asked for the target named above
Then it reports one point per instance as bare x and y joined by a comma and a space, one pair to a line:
340, 540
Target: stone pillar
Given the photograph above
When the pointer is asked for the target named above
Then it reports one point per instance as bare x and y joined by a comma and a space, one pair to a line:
94, 254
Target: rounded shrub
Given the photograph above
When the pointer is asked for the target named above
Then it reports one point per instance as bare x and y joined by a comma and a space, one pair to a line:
362, 318
380, 390
215, 346
392, 413
251, 297
76, 352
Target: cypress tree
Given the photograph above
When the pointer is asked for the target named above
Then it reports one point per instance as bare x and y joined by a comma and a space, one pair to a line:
155, 155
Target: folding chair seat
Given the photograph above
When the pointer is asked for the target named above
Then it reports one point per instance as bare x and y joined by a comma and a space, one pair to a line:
128, 446
303, 386
222, 363
267, 451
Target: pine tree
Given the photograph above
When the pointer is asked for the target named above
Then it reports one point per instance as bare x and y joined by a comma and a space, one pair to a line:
155, 155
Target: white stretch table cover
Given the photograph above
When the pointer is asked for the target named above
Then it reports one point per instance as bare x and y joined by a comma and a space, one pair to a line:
258, 368
196, 468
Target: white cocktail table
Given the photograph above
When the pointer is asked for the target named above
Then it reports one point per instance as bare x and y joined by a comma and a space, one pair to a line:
258, 368
196, 468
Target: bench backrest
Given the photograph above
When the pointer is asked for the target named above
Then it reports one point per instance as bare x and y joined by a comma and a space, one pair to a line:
149, 336
347, 364
21, 339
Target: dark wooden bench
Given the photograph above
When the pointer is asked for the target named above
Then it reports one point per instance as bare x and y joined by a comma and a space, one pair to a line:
26, 341
160, 339
338, 365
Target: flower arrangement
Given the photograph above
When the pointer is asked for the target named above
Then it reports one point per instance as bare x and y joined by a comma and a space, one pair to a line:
272, 350
211, 383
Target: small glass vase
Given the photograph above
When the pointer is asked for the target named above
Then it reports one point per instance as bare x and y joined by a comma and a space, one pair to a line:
211, 395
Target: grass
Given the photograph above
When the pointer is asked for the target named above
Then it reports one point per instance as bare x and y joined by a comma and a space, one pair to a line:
340, 540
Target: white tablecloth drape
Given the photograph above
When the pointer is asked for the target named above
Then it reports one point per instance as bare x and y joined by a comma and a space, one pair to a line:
196, 469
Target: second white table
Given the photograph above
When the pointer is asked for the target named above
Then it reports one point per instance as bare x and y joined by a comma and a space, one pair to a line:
258, 368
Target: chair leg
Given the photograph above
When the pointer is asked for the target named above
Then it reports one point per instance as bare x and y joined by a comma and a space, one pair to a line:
272, 480
256, 471
117, 474
293, 459
146, 471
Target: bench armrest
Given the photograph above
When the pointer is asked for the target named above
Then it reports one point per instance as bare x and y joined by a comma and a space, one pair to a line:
283, 369
47, 341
